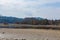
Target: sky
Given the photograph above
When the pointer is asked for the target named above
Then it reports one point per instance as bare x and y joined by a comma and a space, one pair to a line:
49, 9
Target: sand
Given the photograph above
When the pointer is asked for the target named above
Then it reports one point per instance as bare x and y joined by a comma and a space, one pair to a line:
29, 34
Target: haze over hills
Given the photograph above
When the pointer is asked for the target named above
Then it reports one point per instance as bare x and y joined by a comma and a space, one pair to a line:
5, 19
28, 20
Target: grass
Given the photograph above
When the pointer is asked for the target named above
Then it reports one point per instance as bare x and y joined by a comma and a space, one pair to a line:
56, 27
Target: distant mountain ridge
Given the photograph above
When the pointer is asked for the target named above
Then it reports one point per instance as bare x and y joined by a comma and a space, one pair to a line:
28, 20
39, 18
5, 19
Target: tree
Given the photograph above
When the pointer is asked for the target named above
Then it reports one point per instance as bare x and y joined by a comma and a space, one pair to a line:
44, 22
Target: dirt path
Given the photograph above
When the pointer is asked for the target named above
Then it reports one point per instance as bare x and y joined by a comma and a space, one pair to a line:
29, 34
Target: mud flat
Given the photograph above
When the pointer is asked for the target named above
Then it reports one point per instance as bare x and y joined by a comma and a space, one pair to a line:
29, 34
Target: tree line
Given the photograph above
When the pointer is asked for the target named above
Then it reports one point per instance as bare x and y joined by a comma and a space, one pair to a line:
31, 20
34, 21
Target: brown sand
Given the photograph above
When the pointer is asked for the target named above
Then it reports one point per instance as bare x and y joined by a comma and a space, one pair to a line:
29, 34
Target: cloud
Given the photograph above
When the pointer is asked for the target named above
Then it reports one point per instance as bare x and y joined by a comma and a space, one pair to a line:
22, 8
57, 4
50, 13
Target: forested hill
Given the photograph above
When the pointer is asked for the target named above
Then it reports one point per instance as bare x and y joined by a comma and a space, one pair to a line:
5, 19
28, 20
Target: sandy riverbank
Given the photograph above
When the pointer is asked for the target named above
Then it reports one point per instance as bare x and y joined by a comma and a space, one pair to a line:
29, 34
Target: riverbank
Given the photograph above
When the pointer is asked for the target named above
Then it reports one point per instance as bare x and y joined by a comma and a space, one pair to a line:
29, 34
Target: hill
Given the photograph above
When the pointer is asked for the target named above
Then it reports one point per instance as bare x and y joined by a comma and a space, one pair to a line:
5, 19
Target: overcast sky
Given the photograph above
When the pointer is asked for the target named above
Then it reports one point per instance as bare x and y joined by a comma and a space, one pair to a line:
26, 8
